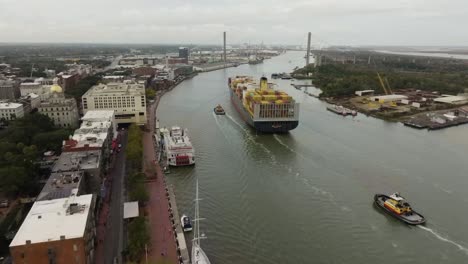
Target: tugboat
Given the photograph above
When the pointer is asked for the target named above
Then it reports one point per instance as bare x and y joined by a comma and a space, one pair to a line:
186, 223
219, 110
398, 207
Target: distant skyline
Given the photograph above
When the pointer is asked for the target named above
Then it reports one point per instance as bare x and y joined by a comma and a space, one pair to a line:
332, 22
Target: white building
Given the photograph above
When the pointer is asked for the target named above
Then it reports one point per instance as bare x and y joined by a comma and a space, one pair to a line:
127, 99
453, 99
388, 98
96, 132
36, 88
63, 111
57, 231
11, 111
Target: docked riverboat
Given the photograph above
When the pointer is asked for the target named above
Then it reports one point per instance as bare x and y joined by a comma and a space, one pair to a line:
177, 146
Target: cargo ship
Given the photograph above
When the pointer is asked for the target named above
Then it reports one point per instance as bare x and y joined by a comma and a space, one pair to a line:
177, 146
262, 107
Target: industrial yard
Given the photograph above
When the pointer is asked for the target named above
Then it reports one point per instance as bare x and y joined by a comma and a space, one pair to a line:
415, 108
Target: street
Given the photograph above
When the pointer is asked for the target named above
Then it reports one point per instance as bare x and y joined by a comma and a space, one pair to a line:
113, 241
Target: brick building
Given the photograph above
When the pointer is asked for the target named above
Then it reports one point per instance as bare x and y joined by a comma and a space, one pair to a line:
57, 231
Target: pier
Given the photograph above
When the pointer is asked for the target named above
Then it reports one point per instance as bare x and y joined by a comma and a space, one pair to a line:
182, 249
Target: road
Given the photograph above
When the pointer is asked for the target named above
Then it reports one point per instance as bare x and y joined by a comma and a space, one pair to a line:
113, 242
114, 63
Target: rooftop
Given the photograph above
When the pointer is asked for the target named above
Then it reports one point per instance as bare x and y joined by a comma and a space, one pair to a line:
55, 220
452, 99
80, 160
131, 210
61, 185
30, 84
10, 105
124, 88
59, 102
98, 115
389, 97
93, 136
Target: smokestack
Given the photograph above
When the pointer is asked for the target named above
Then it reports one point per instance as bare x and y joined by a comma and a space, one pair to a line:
308, 49
224, 49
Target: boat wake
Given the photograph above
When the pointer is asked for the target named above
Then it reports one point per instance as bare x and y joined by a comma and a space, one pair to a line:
438, 236
251, 138
286, 146
235, 122
318, 191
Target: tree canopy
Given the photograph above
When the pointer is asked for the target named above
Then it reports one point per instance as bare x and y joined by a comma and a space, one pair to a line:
337, 79
138, 238
21, 144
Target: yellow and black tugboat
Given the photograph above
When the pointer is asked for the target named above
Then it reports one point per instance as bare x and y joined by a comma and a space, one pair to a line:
398, 207
219, 110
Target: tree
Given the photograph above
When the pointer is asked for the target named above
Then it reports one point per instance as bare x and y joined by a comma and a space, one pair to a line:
138, 238
150, 94
134, 149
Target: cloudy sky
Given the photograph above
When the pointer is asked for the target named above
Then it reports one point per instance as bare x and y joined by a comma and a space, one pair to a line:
336, 22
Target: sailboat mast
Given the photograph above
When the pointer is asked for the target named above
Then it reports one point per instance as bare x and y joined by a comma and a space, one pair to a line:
197, 216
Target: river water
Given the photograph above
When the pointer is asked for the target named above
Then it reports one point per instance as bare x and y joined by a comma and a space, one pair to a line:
307, 196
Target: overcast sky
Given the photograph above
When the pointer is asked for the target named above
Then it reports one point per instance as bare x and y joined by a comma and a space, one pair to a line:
336, 22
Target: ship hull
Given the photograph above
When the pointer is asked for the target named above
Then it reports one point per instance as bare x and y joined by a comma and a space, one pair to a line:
261, 126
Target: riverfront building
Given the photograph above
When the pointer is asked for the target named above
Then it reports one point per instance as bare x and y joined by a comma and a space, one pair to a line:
127, 99
57, 231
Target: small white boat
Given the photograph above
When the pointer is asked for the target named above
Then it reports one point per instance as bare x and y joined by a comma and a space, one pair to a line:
186, 223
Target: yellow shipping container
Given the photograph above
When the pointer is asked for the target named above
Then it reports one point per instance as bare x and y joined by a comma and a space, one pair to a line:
270, 97
265, 102
279, 101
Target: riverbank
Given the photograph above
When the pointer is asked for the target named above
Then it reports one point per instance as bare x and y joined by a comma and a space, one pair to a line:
217, 66
161, 210
436, 116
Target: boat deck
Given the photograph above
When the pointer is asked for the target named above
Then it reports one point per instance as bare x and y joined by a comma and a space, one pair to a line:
180, 235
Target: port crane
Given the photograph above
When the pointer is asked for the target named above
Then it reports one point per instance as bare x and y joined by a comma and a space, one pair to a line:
385, 85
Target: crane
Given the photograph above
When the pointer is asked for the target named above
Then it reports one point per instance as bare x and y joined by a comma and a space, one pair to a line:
385, 85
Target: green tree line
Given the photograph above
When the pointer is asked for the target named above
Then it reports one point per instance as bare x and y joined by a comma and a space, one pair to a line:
336, 80
21, 145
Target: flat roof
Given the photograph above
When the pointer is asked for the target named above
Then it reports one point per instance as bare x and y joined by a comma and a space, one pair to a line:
390, 96
55, 219
131, 210
98, 115
368, 91
123, 88
61, 185
10, 105
58, 102
78, 160
94, 136
451, 99
30, 84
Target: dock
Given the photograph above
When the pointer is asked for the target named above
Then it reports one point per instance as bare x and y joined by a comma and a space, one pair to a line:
182, 249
